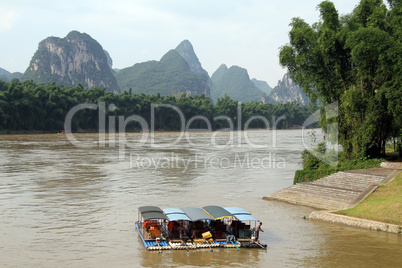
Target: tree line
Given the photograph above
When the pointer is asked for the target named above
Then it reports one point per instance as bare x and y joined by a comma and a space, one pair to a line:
26, 105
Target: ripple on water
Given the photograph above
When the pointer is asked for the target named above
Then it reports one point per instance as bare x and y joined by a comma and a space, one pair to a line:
63, 205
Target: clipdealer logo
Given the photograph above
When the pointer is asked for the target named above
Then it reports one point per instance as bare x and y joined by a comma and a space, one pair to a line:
174, 161
147, 137
330, 136
119, 139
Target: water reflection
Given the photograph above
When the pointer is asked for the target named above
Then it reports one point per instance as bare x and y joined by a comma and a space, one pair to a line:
219, 257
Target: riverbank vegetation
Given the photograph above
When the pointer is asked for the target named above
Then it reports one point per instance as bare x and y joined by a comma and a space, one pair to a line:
27, 106
353, 63
384, 205
322, 162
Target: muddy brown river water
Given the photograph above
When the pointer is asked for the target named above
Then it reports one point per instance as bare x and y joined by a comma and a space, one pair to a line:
74, 204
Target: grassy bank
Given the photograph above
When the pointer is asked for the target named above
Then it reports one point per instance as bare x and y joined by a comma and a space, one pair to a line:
384, 205
330, 162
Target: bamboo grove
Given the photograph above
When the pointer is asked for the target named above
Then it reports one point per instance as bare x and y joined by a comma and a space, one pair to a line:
355, 59
27, 106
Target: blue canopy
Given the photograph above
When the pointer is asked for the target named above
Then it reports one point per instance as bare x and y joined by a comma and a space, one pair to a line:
175, 214
241, 214
173, 211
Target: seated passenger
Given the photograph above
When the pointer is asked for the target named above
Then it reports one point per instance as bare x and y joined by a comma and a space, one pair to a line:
181, 231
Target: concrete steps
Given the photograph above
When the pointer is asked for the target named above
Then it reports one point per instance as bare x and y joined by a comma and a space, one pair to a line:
350, 181
341, 190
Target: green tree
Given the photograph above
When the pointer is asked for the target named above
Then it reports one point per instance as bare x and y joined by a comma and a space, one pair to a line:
356, 60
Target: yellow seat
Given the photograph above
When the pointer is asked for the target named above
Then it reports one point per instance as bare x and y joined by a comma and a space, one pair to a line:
206, 235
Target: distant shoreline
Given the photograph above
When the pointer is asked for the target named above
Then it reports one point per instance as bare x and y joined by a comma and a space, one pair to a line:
24, 132
38, 132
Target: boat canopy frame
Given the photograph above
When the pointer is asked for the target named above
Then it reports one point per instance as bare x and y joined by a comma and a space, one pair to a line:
217, 212
151, 213
175, 214
197, 214
241, 214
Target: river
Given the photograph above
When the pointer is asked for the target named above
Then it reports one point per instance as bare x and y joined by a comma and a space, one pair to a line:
73, 203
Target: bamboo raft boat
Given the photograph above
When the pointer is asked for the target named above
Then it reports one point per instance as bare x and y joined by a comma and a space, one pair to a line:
196, 228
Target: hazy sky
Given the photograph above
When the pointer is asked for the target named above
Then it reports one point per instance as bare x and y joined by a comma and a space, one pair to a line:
246, 33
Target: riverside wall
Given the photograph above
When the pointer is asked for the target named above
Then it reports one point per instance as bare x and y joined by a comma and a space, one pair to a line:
329, 216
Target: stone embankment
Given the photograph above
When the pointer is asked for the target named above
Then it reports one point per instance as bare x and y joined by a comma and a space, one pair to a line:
339, 191
355, 222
